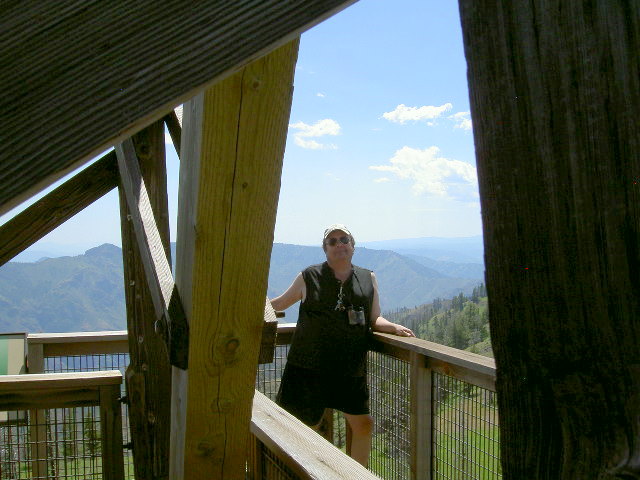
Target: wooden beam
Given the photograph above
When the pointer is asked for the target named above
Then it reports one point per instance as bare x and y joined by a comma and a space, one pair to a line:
301, 449
555, 96
421, 421
148, 376
175, 130
234, 138
111, 433
269, 333
169, 321
58, 206
43, 345
115, 74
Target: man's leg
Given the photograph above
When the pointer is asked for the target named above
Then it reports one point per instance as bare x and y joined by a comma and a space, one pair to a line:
361, 429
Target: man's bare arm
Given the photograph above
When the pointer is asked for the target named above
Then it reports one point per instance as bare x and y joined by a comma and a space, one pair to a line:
381, 324
294, 293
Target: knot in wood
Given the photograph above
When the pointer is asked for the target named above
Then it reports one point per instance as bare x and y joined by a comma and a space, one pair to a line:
232, 346
143, 150
229, 351
256, 83
204, 449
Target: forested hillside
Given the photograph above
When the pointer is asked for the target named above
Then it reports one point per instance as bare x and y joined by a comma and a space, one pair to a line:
65, 294
462, 322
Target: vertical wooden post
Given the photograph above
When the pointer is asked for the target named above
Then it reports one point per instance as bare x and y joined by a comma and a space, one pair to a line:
325, 427
148, 377
421, 407
111, 433
231, 160
255, 459
37, 418
554, 87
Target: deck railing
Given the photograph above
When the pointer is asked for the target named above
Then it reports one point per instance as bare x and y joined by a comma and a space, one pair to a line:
51, 432
434, 409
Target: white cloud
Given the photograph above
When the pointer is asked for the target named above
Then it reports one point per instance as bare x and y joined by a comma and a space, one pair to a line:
382, 180
321, 128
320, 94
312, 144
403, 114
318, 129
462, 119
432, 174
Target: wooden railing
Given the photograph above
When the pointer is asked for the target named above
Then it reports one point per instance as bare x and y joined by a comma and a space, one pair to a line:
40, 392
419, 367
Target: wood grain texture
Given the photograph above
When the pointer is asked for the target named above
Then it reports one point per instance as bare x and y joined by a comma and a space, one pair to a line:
269, 333
170, 320
105, 73
50, 381
401, 347
304, 451
555, 91
153, 255
37, 431
242, 132
148, 376
175, 130
104, 336
43, 345
58, 206
111, 433
421, 421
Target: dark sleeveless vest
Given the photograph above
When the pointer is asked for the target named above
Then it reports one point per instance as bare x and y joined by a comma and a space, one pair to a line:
324, 340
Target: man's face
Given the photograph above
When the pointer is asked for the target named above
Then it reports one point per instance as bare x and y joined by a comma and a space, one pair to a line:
334, 247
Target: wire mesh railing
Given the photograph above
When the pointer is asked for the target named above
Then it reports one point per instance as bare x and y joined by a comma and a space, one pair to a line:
92, 363
15, 446
463, 421
51, 426
71, 447
462, 418
466, 435
389, 389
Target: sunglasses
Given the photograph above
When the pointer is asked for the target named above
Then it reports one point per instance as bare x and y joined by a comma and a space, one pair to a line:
334, 241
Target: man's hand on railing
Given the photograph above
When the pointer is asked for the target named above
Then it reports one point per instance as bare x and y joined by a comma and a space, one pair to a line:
385, 326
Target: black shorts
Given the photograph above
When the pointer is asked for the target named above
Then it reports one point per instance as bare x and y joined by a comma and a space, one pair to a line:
306, 393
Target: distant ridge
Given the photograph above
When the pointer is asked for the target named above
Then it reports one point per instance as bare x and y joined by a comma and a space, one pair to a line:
86, 292
449, 249
403, 281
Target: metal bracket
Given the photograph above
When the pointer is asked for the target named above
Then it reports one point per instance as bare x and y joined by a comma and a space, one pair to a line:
174, 330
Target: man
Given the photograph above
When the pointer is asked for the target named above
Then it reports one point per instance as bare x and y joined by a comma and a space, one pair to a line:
326, 365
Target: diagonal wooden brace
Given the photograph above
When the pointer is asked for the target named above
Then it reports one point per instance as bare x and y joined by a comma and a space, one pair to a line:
171, 322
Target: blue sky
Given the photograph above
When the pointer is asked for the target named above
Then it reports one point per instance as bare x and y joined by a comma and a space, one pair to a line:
379, 138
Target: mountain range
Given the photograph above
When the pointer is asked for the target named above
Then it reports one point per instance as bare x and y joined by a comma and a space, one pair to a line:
85, 292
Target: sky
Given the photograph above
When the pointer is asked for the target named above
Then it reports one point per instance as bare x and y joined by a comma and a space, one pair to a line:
379, 136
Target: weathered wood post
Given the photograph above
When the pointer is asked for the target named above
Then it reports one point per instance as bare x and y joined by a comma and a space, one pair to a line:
555, 95
111, 433
421, 408
37, 417
148, 377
